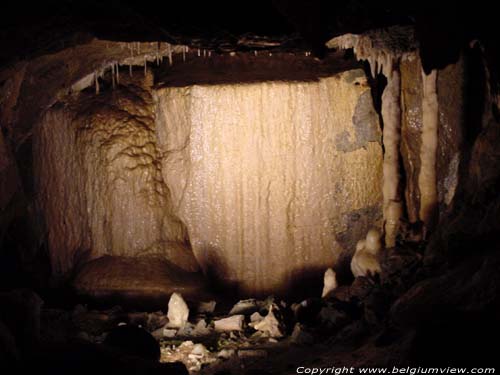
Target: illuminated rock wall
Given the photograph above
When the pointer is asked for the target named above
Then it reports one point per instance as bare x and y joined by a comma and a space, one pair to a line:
98, 181
271, 178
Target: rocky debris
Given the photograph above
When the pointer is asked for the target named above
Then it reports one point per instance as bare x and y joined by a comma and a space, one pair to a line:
329, 282
232, 323
270, 325
201, 328
245, 307
133, 341
333, 317
306, 312
178, 311
194, 356
256, 317
206, 307
226, 353
301, 336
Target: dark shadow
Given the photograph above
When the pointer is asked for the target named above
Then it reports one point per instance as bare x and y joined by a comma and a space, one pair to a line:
216, 272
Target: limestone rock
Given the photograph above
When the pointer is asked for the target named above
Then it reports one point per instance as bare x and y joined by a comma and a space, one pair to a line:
270, 325
206, 307
256, 317
98, 182
137, 281
178, 311
232, 323
201, 328
290, 138
244, 307
329, 282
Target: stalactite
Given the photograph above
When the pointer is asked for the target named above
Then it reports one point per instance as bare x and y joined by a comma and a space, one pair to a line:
113, 83
427, 177
391, 115
169, 51
117, 70
199, 52
145, 66
184, 54
96, 80
130, 70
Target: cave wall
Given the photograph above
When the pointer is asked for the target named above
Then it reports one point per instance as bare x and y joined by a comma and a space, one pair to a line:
272, 179
98, 182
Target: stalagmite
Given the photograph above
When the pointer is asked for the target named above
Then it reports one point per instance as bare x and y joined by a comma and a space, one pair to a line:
329, 282
365, 260
178, 311
427, 177
391, 114
199, 52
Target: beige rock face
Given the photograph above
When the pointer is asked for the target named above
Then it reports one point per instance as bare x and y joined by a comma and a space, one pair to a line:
264, 174
99, 184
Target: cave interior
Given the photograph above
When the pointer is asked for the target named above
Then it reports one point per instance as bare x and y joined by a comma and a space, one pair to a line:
255, 187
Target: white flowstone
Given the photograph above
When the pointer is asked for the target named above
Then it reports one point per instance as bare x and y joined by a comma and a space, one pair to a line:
178, 311
329, 282
232, 323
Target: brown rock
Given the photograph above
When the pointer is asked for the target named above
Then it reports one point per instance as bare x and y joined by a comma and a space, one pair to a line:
131, 280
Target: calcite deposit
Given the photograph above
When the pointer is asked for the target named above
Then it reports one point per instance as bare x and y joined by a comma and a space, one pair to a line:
260, 175
99, 184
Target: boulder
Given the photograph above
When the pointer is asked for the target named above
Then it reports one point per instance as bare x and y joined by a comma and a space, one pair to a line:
137, 282
232, 323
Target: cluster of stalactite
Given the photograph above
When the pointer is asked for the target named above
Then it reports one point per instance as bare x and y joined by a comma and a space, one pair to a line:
385, 51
